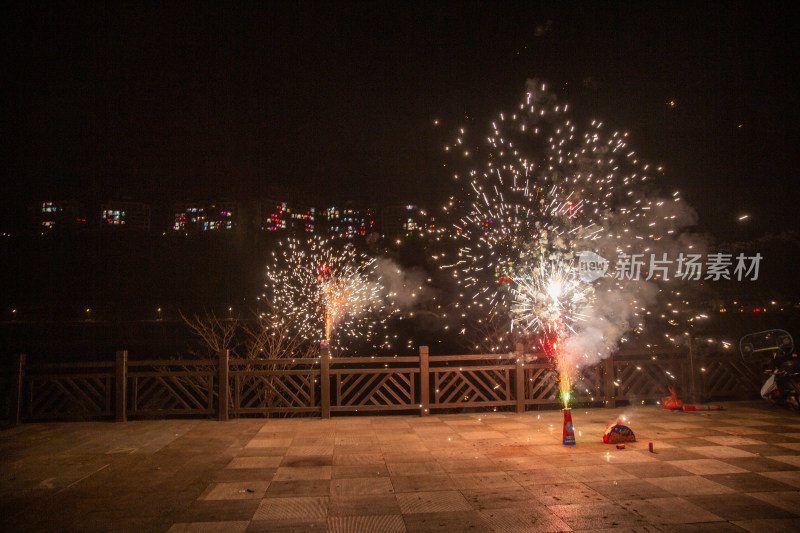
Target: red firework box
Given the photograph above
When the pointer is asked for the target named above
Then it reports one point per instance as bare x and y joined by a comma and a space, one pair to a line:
618, 434
569, 431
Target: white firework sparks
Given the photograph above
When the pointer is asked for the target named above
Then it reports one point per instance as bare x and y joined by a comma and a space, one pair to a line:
329, 291
545, 191
550, 298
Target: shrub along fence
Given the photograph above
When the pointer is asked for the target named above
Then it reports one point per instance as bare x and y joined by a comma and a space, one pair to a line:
231, 387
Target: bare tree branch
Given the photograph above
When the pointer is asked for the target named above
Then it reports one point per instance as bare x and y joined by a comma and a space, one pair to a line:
215, 333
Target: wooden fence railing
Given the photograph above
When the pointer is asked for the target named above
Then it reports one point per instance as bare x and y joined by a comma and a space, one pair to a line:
422, 383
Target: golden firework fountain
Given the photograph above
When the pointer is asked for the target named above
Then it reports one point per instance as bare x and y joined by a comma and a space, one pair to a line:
564, 386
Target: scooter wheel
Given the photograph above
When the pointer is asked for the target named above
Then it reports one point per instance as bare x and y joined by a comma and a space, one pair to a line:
792, 400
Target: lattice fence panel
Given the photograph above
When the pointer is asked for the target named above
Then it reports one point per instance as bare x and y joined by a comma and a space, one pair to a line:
472, 386
729, 378
647, 378
264, 391
390, 389
172, 393
68, 396
589, 383
541, 385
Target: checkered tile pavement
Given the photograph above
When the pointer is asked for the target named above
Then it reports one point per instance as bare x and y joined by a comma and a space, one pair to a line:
731, 470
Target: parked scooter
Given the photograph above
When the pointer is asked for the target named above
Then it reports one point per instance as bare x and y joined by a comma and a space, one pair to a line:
774, 350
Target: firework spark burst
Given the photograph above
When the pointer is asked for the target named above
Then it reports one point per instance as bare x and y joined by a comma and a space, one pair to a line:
329, 290
551, 300
538, 192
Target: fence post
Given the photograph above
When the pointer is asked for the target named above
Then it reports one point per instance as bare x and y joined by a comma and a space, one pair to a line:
223, 385
16, 389
519, 378
325, 381
424, 381
611, 392
121, 413
692, 384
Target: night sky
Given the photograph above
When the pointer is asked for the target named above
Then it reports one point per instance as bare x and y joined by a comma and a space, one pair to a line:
327, 102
